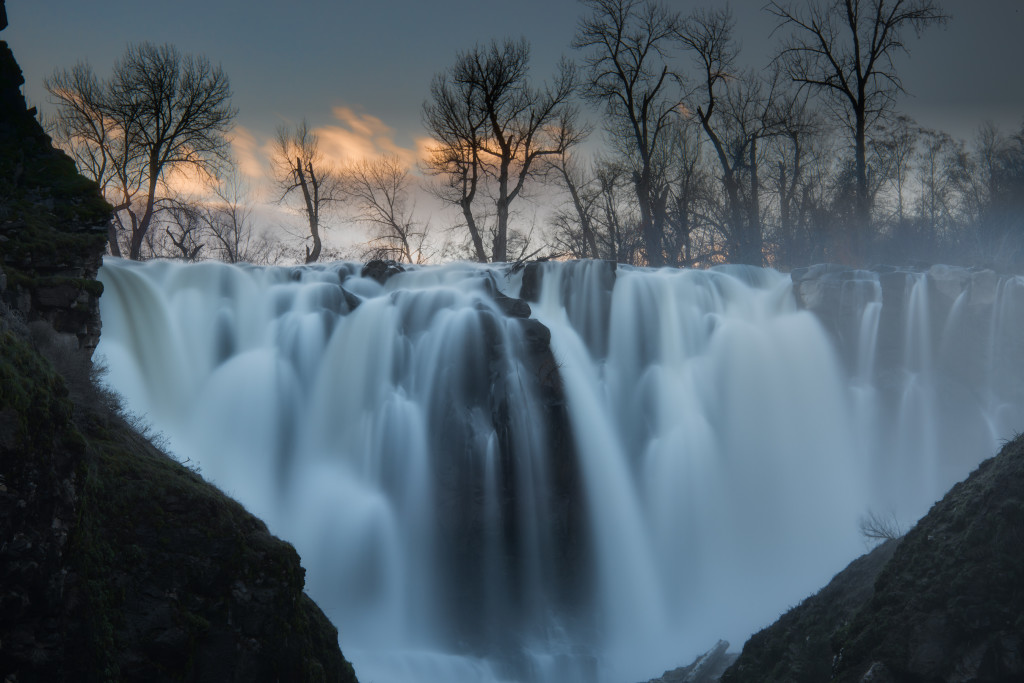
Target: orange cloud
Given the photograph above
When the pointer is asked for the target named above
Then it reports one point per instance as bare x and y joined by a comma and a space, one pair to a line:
361, 136
188, 182
249, 160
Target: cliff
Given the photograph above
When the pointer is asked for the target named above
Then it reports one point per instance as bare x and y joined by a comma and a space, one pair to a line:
945, 603
116, 561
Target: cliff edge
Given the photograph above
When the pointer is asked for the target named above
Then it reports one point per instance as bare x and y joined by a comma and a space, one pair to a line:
116, 561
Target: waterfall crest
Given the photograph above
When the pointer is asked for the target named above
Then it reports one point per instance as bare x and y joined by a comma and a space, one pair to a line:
594, 487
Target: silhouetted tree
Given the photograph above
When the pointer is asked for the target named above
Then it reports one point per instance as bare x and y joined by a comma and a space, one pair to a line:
798, 175
628, 44
455, 123
845, 51
688, 239
490, 122
576, 227
160, 111
379, 189
301, 169
184, 229
228, 222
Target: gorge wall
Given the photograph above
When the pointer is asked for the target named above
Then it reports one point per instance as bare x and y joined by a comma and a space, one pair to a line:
116, 562
941, 604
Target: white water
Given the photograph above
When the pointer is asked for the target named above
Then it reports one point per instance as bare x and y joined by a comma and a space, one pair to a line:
725, 444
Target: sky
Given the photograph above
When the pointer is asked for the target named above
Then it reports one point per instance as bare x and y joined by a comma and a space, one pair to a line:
359, 71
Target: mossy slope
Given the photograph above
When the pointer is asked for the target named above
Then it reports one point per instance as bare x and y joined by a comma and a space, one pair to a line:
116, 562
947, 606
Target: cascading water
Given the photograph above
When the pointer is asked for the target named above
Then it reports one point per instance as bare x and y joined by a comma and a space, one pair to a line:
685, 456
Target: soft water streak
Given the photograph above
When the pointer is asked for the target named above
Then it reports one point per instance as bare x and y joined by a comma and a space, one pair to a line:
726, 443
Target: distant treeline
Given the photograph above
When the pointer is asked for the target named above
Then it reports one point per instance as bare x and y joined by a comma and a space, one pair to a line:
691, 160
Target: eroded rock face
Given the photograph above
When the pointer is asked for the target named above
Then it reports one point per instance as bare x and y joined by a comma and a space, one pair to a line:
53, 222
116, 562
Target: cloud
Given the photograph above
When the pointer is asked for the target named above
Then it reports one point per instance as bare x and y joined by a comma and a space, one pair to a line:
248, 157
187, 182
362, 136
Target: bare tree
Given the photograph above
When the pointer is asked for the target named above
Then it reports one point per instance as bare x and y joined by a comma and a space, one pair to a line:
159, 111
379, 189
740, 113
567, 167
846, 50
300, 168
455, 123
687, 240
228, 222
616, 218
490, 122
184, 228
877, 527
627, 44
97, 138
796, 175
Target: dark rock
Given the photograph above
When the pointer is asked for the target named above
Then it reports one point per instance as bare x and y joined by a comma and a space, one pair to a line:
116, 562
705, 669
798, 648
946, 606
513, 308
381, 270
351, 300
533, 272
53, 222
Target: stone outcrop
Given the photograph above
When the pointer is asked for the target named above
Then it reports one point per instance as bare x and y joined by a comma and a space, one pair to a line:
53, 222
707, 668
946, 606
380, 270
116, 561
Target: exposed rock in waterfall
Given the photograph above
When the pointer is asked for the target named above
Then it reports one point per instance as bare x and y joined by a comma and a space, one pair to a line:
381, 270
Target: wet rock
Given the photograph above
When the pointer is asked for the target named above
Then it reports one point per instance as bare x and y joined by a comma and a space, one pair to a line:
381, 270
533, 272
513, 308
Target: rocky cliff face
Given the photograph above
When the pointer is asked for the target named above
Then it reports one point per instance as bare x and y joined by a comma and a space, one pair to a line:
948, 604
53, 223
116, 562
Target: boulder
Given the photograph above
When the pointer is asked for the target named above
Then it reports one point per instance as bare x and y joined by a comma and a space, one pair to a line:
381, 270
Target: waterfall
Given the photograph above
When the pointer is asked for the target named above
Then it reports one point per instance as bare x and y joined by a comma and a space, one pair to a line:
592, 488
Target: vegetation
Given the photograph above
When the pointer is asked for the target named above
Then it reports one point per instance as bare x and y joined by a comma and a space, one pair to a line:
118, 562
159, 112
703, 159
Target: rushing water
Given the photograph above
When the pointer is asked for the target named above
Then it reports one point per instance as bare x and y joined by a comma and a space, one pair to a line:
692, 460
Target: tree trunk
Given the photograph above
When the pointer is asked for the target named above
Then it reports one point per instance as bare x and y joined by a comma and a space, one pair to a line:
115, 248
755, 237
474, 232
499, 251
648, 229
588, 231
862, 200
